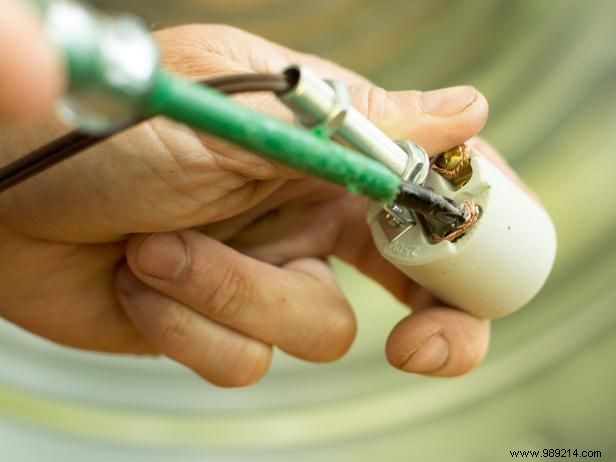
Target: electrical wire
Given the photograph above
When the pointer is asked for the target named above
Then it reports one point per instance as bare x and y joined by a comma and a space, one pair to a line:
430, 203
305, 150
409, 195
75, 142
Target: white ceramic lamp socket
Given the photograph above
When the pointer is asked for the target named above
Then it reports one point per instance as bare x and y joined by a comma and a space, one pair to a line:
497, 266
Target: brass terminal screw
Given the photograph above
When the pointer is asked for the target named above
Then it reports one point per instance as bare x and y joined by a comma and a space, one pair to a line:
450, 159
454, 165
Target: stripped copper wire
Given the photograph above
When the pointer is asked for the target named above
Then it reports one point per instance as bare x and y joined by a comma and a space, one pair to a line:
472, 212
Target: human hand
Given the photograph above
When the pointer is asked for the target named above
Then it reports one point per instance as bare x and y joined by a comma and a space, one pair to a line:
30, 71
258, 278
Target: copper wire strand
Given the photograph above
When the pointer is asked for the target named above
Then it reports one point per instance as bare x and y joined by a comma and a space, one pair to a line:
473, 212
453, 173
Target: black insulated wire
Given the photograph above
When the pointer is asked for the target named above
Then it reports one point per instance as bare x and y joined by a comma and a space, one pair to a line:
430, 203
75, 142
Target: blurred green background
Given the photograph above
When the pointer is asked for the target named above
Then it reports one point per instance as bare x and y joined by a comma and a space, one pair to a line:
548, 69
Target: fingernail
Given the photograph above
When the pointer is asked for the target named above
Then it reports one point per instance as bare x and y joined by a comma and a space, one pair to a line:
448, 101
430, 357
127, 282
163, 256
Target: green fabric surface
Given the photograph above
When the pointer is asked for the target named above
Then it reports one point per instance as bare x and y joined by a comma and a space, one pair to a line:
548, 69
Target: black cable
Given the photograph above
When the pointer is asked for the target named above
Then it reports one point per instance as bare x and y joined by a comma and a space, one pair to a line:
74, 142
275, 83
47, 156
426, 201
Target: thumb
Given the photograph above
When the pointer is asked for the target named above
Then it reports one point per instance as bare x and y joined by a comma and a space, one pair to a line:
30, 72
437, 119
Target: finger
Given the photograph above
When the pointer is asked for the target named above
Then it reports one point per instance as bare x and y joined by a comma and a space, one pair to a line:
213, 47
432, 341
438, 341
323, 221
437, 119
73, 288
464, 338
219, 354
298, 307
30, 72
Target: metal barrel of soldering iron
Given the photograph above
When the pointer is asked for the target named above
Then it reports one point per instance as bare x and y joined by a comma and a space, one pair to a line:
113, 65
322, 103
319, 102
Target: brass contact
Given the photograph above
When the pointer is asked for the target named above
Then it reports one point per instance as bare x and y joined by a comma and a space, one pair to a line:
454, 165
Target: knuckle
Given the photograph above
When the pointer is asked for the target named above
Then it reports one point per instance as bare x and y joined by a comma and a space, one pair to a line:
372, 102
173, 332
225, 299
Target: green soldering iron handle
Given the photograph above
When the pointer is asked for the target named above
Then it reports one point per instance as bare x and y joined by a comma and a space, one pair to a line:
215, 113
113, 67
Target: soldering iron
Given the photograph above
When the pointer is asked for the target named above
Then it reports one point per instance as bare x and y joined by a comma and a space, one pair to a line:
456, 224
